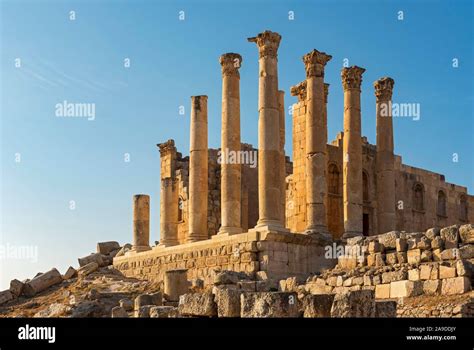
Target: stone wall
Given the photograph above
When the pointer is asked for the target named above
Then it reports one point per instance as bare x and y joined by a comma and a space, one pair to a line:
277, 255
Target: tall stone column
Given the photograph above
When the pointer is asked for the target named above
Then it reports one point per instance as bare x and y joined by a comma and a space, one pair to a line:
316, 143
268, 133
198, 171
230, 145
385, 158
141, 223
169, 195
281, 108
352, 152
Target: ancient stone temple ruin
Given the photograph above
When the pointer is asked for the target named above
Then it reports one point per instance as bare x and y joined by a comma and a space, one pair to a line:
222, 211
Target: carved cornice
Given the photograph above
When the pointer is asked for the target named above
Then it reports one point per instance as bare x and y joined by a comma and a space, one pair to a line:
384, 89
166, 147
314, 63
299, 90
268, 43
352, 77
230, 63
326, 92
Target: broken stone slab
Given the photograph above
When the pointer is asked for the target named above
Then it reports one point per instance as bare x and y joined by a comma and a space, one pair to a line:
466, 233
70, 273
389, 239
42, 282
6, 296
106, 248
401, 289
119, 312
148, 299
95, 257
317, 305
126, 247
16, 287
87, 269
450, 236
228, 277
269, 304
197, 304
386, 308
450, 254
359, 303
143, 311
228, 302
464, 268
456, 285
247, 286
163, 312
433, 232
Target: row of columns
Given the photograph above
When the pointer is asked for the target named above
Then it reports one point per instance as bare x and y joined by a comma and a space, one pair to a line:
271, 154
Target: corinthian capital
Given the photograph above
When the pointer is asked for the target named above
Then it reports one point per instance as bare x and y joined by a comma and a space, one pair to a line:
314, 63
299, 90
383, 89
352, 77
326, 92
230, 63
267, 43
166, 147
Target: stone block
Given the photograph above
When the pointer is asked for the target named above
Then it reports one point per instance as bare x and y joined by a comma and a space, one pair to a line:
16, 287
197, 304
450, 236
70, 273
96, 257
425, 271
5, 296
42, 282
228, 302
388, 240
163, 311
354, 304
401, 289
466, 251
431, 287
424, 243
447, 272
414, 275
269, 304
414, 256
437, 243
391, 258
401, 245
402, 257
432, 233
382, 291
399, 275
247, 286
426, 256
464, 268
107, 247
126, 304
119, 312
466, 233
87, 269
143, 311
456, 285
317, 305
375, 247
450, 254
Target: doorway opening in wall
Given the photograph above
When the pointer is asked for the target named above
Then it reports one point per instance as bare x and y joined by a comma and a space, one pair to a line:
365, 224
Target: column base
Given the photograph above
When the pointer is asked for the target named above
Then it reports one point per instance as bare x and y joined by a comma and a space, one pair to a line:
319, 233
196, 239
227, 230
167, 244
269, 225
139, 249
351, 234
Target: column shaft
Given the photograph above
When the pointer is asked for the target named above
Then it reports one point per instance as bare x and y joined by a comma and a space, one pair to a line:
386, 218
141, 222
230, 145
352, 152
268, 132
198, 171
316, 143
281, 108
169, 212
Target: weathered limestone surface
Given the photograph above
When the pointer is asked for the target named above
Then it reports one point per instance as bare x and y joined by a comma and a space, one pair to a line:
273, 304
198, 171
359, 303
352, 151
42, 282
176, 284
197, 304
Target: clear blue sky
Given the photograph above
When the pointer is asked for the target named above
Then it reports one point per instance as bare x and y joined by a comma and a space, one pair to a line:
64, 159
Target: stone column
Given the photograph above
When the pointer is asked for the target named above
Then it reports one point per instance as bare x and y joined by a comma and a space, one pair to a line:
281, 108
175, 284
198, 171
352, 152
169, 195
141, 222
231, 220
385, 158
169, 212
316, 143
268, 133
